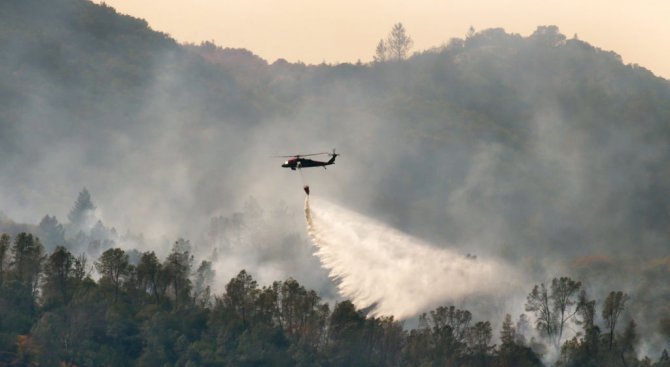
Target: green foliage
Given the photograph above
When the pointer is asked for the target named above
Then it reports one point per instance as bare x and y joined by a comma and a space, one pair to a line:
283, 324
114, 267
150, 278
176, 271
27, 259
59, 277
4, 255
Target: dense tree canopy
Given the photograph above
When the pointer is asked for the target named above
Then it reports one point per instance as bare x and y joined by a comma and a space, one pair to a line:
133, 315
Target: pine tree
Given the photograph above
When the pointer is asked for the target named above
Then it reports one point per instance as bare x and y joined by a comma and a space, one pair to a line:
507, 332
58, 272
28, 257
51, 232
82, 209
177, 267
4, 255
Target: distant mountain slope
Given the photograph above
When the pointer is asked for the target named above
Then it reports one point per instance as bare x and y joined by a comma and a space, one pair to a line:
77, 44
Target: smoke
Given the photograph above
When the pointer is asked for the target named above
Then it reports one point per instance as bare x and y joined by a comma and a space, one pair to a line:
394, 273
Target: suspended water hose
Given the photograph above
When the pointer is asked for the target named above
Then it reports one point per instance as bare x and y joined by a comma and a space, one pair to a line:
302, 179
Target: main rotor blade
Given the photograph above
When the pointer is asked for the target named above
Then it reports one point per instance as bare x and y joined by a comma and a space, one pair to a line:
307, 155
298, 155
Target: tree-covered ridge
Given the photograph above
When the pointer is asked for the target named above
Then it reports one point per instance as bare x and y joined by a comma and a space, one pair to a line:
88, 49
156, 312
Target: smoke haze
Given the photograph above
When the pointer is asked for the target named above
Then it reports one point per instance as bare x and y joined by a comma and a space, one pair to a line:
540, 152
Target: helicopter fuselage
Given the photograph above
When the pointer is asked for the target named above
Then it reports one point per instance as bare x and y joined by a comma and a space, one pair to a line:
298, 162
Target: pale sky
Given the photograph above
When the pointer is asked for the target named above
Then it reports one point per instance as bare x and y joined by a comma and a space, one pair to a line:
313, 31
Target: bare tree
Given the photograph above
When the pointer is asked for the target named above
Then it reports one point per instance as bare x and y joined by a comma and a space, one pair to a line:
398, 43
563, 292
380, 52
614, 305
538, 302
553, 310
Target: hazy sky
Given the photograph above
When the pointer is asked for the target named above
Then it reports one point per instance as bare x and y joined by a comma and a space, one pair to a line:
313, 31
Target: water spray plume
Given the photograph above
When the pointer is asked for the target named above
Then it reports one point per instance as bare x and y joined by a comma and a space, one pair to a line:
392, 272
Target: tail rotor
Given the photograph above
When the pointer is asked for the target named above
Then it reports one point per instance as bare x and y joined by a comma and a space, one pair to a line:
333, 155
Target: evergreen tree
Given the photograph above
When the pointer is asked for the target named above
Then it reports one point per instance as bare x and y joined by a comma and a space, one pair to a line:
149, 274
346, 344
177, 268
82, 212
664, 360
479, 342
27, 260
507, 332
114, 267
58, 273
5, 242
510, 353
240, 297
522, 328
51, 232
627, 343
204, 276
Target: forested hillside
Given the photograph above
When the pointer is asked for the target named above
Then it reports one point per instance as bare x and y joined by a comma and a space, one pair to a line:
150, 312
544, 151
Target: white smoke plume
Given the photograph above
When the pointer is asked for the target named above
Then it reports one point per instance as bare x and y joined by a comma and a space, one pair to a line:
392, 272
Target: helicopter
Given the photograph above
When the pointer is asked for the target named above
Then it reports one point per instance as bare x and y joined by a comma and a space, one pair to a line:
298, 161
